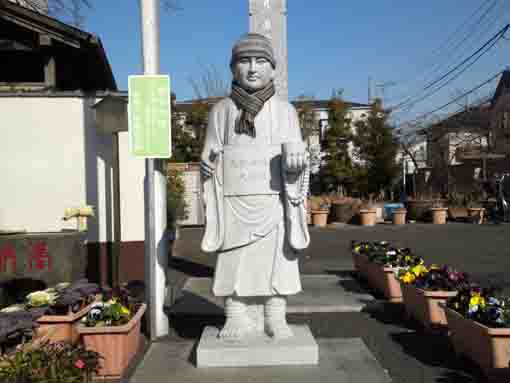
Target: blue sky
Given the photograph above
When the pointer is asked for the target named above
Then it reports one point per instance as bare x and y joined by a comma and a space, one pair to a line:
331, 43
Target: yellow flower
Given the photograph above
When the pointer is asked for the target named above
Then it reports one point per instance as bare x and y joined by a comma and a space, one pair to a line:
357, 248
408, 277
407, 258
111, 301
434, 267
124, 310
477, 300
419, 270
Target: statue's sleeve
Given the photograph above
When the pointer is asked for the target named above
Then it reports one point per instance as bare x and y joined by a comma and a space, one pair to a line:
296, 188
211, 166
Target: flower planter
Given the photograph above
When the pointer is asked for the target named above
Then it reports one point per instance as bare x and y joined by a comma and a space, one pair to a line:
423, 305
486, 346
399, 216
62, 328
320, 217
383, 279
117, 344
368, 217
360, 263
476, 214
439, 215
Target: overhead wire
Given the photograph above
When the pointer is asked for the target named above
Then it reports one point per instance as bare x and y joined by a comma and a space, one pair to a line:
429, 113
411, 102
483, 24
446, 44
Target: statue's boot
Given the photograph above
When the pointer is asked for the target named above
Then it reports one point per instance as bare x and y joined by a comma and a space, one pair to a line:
238, 323
275, 319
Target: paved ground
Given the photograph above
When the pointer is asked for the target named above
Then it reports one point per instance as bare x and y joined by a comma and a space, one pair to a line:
400, 346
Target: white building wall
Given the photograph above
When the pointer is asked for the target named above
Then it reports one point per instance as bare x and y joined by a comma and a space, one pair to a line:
355, 114
132, 173
51, 158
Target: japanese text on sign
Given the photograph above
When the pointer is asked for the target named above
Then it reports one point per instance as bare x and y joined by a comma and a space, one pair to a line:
150, 116
38, 260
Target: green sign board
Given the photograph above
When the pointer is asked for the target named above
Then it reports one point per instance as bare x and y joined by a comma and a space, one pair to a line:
149, 116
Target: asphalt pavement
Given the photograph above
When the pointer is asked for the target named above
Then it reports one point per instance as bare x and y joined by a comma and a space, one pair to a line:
400, 345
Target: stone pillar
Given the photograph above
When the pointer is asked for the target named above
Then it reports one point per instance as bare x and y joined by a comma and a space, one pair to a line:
269, 18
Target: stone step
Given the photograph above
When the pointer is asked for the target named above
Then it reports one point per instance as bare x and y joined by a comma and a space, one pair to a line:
321, 293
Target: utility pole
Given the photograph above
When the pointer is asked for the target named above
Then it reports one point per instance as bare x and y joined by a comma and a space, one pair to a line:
156, 243
369, 89
382, 86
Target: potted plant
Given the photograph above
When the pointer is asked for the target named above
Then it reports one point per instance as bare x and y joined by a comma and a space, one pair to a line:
457, 208
424, 288
65, 305
368, 213
479, 322
56, 311
476, 212
360, 251
319, 206
418, 207
344, 208
382, 262
49, 362
439, 213
112, 328
399, 216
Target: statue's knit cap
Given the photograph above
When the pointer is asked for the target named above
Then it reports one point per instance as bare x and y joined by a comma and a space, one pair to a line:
253, 44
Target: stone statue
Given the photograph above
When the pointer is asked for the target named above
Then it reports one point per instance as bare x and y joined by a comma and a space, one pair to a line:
254, 170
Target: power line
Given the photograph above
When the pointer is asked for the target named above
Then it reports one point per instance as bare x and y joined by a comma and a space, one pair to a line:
472, 34
427, 114
439, 50
501, 32
410, 102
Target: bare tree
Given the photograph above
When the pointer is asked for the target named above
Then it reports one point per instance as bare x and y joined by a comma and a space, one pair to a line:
73, 10
210, 83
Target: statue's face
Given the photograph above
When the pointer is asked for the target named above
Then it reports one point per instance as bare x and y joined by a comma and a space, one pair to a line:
253, 73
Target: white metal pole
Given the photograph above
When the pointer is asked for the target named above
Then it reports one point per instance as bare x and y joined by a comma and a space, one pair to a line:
156, 248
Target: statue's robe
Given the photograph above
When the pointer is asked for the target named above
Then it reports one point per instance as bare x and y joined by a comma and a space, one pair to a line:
256, 236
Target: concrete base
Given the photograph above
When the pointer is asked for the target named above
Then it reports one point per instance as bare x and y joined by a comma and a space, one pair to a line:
300, 349
341, 361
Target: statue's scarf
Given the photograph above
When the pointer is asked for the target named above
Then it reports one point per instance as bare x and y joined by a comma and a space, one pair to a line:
250, 105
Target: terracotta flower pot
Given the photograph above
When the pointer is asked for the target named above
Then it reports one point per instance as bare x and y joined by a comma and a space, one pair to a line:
476, 214
320, 217
439, 215
399, 217
116, 344
383, 279
423, 305
62, 328
456, 212
486, 346
368, 217
418, 209
345, 212
360, 263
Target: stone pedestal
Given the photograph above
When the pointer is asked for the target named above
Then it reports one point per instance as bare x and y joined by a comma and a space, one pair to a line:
300, 349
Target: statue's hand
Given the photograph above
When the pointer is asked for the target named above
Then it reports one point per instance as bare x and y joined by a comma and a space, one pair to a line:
206, 171
295, 161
